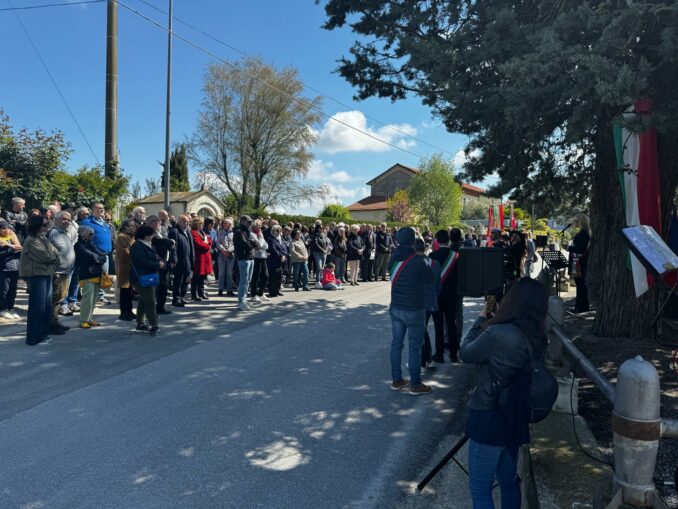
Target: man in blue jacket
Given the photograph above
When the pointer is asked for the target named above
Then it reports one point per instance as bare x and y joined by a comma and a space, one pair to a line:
411, 273
102, 237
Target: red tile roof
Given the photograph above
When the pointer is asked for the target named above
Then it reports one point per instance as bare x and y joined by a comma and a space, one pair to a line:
471, 187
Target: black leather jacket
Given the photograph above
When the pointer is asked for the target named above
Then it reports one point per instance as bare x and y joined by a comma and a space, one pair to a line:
499, 354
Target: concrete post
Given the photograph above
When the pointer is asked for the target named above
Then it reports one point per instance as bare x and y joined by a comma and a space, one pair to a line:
636, 427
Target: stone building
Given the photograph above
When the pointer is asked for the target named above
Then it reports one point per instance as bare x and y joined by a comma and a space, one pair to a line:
373, 207
200, 202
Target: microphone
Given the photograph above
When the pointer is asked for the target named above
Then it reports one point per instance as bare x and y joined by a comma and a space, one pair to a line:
566, 228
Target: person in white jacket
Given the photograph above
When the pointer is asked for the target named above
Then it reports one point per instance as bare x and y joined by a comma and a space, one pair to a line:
226, 258
260, 272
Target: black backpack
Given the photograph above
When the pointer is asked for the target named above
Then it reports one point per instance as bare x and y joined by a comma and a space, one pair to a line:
534, 387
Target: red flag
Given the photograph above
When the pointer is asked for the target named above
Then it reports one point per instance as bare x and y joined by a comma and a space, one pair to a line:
490, 223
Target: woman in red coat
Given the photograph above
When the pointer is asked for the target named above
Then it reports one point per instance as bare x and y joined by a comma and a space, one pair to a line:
203, 260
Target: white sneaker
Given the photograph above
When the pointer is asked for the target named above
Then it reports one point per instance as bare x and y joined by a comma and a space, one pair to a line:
16, 316
6, 315
73, 306
256, 299
318, 285
243, 305
65, 310
265, 299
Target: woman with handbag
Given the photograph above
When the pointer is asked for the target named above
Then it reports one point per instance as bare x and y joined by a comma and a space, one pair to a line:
500, 347
145, 277
89, 262
123, 266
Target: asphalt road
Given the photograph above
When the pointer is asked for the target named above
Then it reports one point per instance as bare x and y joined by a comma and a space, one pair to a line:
285, 406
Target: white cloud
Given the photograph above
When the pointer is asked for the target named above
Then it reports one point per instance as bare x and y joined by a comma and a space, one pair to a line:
460, 158
336, 137
340, 176
321, 171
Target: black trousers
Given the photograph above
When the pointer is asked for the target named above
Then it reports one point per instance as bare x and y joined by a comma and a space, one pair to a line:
445, 320
366, 269
8, 281
259, 277
274, 280
426, 347
582, 300
162, 289
180, 284
126, 305
198, 286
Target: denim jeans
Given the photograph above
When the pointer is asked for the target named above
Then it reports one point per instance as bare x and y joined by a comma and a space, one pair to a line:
73, 287
225, 272
245, 267
39, 308
300, 274
485, 463
319, 261
340, 267
411, 323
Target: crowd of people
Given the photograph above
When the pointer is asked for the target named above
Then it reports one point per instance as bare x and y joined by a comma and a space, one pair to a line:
67, 257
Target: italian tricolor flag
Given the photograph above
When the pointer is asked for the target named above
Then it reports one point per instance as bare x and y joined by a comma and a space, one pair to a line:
639, 179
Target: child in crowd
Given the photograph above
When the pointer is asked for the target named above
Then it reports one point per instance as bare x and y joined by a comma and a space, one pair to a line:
329, 281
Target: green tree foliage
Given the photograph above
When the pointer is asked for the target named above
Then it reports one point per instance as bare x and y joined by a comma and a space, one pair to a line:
29, 163
434, 193
32, 165
336, 211
398, 207
88, 184
179, 182
254, 139
536, 85
474, 210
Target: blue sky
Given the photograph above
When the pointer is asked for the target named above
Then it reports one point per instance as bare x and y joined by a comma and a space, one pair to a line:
284, 33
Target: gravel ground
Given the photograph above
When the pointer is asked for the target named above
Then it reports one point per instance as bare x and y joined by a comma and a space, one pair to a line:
608, 354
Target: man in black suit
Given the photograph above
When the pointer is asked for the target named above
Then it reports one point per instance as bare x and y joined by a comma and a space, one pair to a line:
185, 259
164, 246
446, 317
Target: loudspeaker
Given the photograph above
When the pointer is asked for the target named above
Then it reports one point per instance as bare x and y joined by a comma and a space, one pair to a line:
481, 271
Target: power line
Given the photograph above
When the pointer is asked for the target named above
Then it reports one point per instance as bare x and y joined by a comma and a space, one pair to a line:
265, 83
241, 52
62, 4
44, 64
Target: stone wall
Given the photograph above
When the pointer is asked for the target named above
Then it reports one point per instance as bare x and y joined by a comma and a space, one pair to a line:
391, 183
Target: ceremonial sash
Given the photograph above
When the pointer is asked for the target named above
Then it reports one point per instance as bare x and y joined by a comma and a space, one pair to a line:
398, 267
449, 264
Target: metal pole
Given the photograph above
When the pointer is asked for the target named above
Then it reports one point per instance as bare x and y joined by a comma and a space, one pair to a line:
669, 428
111, 136
167, 111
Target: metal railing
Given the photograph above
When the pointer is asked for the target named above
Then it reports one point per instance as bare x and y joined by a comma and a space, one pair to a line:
636, 423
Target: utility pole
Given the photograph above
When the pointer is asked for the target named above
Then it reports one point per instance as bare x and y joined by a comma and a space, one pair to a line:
111, 141
167, 111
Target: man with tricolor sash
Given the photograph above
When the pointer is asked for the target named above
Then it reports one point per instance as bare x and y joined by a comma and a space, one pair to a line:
444, 319
410, 275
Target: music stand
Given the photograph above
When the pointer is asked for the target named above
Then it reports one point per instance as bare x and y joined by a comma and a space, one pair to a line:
653, 253
555, 261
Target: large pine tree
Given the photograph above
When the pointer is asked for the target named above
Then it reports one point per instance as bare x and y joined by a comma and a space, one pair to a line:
536, 85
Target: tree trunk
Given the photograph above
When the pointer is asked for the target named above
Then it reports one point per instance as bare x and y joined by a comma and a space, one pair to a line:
619, 312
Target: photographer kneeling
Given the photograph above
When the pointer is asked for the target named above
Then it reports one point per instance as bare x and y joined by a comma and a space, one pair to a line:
498, 345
